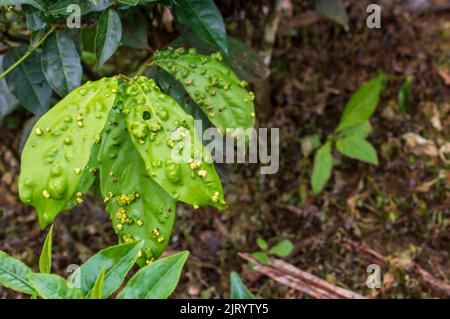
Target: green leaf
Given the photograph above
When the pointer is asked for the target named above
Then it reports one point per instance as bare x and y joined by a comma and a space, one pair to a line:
38, 4
60, 7
323, 164
263, 258
213, 86
157, 280
362, 103
138, 207
358, 148
45, 260
135, 30
262, 243
165, 137
333, 10
27, 81
205, 19
129, 2
282, 249
117, 262
97, 291
7, 101
50, 286
238, 289
57, 152
362, 130
13, 274
35, 18
404, 96
61, 63
108, 35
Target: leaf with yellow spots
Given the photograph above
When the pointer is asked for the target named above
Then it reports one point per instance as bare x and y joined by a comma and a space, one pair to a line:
165, 138
136, 205
213, 85
59, 147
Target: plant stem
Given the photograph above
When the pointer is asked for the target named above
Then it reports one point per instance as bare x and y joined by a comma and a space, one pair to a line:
144, 66
26, 55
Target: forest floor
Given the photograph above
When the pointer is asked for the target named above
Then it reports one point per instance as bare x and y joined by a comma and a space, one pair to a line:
399, 209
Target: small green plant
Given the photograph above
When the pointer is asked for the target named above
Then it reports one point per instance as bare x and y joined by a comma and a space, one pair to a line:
351, 133
282, 249
98, 278
238, 289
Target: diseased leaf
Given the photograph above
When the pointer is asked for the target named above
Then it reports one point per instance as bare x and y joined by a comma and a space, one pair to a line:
116, 261
61, 63
362, 129
165, 137
238, 289
97, 291
58, 150
213, 86
205, 19
138, 207
333, 10
27, 81
108, 35
157, 280
45, 259
13, 274
362, 103
50, 286
358, 148
323, 164
60, 7
282, 249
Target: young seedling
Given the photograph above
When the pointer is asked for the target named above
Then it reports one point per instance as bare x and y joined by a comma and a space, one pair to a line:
282, 249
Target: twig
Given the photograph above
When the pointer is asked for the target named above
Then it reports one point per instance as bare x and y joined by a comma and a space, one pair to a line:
26, 55
300, 280
411, 267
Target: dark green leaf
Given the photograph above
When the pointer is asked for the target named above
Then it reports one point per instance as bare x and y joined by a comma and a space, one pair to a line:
333, 10
238, 289
27, 81
61, 63
157, 280
138, 207
323, 164
282, 249
88, 38
38, 4
45, 260
166, 139
51, 286
108, 35
117, 262
362, 103
7, 101
358, 148
404, 96
213, 86
57, 152
86, 6
129, 2
205, 19
35, 18
13, 274
135, 30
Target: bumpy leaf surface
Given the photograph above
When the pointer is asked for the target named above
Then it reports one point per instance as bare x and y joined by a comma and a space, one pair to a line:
212, 85
58, 150
138, 207
165, 137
